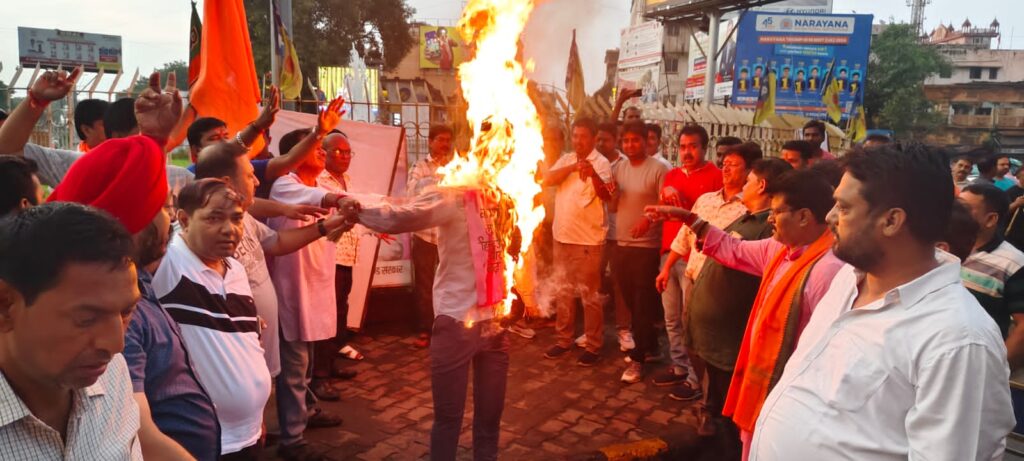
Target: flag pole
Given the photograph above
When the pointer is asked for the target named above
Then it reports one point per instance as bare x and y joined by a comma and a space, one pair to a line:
275, 66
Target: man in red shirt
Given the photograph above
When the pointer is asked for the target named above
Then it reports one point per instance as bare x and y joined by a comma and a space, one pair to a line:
682, 186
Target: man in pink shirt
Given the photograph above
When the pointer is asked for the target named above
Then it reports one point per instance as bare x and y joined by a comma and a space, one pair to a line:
800, 201
814, 133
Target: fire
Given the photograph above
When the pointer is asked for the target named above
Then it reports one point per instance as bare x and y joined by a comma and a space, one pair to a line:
507, 142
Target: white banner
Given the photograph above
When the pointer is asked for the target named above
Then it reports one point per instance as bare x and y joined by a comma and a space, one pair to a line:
641, 45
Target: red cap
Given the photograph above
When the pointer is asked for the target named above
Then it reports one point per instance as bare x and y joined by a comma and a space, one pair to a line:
126, 177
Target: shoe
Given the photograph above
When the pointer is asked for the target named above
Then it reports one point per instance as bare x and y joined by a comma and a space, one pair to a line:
423, 341
555, 352
588, 359
626, 342
323, 390
669, 378
321, 418
299, 452
685, 392
343, 373
350, 353
521, 329
633, 374
581, 341
647, 359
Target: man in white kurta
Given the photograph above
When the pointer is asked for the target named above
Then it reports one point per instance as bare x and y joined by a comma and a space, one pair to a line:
306, 305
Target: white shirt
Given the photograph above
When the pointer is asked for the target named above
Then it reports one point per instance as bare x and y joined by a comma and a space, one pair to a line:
220, 329
920, 374
579, 213
455, 281
103, 423
423, 175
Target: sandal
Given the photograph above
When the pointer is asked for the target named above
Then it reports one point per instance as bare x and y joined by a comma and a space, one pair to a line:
350, 353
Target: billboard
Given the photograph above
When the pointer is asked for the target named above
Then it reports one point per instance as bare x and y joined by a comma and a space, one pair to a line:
697, 63
441, 48
52, 47
800, 48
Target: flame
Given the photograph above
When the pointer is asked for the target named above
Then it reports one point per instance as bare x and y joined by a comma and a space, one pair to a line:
507, 143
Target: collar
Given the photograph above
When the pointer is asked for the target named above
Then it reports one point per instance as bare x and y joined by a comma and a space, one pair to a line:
146, 285
794, 253
194, 260
735, 197
11, 407
910, 294
760, 215
696, 170
991, 245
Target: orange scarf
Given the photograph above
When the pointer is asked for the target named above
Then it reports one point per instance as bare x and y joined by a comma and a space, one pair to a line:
771, 334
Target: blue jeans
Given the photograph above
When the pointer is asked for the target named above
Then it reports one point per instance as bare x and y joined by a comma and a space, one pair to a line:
672, 301
454, 348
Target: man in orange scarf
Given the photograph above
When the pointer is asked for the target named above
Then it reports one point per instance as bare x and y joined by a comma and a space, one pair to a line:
796, 266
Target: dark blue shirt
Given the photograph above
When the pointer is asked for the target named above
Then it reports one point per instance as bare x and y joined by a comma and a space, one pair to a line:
160, 367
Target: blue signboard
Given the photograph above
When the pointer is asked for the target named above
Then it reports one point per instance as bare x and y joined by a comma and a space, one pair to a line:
800, 48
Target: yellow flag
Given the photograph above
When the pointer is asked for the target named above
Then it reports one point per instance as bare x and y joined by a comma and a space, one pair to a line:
858, 125
574, 89
831, 100
291, 74
765, 99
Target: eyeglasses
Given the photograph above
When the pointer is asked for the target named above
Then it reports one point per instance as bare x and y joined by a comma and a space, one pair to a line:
340, 153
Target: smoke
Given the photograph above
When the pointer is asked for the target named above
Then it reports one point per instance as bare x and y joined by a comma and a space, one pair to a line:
548, 34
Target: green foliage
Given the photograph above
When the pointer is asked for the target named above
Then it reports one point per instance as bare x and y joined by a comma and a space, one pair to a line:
179, 67
894, 96
325, 30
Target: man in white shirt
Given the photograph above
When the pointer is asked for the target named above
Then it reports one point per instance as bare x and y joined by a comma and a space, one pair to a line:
206, 291
464, 332
580, 229
898, 361
424, 242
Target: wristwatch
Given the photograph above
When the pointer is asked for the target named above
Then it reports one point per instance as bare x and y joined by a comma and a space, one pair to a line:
321, 227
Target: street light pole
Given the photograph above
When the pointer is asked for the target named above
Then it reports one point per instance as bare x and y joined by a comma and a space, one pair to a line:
711, 57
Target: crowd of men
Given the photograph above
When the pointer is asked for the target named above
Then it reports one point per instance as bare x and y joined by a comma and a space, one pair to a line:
814, 307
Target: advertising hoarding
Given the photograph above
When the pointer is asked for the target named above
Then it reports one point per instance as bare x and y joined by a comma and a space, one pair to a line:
800, 48
697, 62
50, 48
441, 48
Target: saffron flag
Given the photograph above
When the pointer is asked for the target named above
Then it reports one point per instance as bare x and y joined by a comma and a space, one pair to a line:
831, 88
291, 74
227, 87
765, 100
574, 89
195, 35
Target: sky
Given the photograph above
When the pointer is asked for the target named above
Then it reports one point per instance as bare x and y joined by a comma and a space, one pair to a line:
156, 31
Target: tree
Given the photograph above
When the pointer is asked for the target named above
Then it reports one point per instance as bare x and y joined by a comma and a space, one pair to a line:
894, 96
325, 30
179, 67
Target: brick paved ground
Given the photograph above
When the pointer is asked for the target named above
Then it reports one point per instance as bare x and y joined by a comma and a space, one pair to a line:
554, 409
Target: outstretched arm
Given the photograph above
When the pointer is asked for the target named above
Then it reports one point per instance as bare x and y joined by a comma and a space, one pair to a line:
49, 87
288, 161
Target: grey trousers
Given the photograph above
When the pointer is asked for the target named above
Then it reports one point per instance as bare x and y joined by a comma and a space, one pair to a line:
454, 348
292, 387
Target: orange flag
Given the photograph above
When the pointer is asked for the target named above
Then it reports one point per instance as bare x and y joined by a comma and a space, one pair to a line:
227, 87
